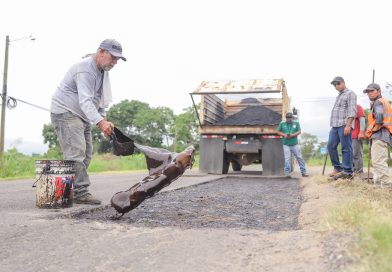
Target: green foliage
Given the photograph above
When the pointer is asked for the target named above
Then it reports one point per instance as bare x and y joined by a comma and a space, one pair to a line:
50, 136
145, 124
108, 162
308, 143
17, 165
185, 130
156, 127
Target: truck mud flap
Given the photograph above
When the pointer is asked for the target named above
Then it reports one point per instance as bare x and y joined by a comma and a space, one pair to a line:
212, 156
272, 157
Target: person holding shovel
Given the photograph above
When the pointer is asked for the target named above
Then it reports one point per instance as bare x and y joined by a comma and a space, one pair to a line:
80, 101
379, 132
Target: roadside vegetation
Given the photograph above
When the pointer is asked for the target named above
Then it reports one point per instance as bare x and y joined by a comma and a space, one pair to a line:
19, 166
367, 214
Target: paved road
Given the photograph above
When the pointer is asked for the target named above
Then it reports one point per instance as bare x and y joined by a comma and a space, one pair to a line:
33, 239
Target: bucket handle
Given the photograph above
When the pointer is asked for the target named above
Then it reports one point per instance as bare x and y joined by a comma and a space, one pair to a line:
45, 169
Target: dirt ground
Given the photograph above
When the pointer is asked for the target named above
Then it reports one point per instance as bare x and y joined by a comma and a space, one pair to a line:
42, 241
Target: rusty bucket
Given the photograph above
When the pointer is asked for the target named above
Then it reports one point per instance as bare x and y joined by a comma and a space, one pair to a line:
54, 184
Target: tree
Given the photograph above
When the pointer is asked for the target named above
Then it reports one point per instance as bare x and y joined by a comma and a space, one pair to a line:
185, 130
50, 136
144, 124
308, 143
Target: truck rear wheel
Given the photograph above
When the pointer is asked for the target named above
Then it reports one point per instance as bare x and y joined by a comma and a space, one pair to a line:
226, 164
236, 166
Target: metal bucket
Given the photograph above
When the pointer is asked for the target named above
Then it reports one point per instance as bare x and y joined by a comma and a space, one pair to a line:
54, 184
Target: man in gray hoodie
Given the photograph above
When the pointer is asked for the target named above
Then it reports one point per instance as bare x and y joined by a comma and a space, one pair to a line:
77, 104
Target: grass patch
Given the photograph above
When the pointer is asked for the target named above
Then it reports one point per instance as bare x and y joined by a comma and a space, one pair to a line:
19, 166
368, 214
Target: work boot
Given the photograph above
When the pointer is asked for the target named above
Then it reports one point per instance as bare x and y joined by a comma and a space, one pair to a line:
305, 175
333, 173
343, 175
87, 199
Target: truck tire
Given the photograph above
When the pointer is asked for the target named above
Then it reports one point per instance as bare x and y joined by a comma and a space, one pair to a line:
226, 164
236, 166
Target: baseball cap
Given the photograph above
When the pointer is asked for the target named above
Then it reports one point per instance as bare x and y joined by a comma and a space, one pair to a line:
337, 79
114, 48
372, 86
289, 115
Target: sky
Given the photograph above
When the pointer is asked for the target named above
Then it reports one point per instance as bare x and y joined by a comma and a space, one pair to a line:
172, 46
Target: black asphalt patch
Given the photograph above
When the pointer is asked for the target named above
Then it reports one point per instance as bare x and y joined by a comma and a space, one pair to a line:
256, 115
251, 203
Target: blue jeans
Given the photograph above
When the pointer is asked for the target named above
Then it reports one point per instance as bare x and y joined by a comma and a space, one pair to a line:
336, 136
293, 149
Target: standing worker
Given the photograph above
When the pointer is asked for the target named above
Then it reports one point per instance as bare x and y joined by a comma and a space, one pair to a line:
342, 117
358, 134
290, 130
379, 132
80, 101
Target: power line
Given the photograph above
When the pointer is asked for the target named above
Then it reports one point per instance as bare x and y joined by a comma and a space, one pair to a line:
12, 103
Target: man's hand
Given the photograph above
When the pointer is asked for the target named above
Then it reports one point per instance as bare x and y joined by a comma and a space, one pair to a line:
347, 130
361, 135
377, 127
106, 127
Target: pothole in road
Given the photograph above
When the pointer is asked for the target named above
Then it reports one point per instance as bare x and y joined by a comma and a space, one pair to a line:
250, 203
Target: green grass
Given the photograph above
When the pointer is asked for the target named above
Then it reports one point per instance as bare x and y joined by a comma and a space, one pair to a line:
18, 166
369, 215
109, 162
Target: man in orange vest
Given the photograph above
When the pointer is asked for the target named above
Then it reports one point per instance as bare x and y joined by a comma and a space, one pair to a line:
379, 131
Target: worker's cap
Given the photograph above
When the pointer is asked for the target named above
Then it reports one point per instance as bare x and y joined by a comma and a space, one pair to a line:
114, 48
371, 87
289, 115
337, 79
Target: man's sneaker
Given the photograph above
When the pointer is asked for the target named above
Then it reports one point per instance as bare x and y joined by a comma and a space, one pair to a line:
333, 173
305, 175
343, 175
87, 199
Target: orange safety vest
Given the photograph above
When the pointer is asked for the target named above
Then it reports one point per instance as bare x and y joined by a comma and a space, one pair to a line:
387, 121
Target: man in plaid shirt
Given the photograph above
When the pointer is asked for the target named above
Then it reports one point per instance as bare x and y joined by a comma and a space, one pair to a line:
342, 117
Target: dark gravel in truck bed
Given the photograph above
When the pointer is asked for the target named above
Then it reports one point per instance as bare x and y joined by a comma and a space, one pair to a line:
256, 203
256, 115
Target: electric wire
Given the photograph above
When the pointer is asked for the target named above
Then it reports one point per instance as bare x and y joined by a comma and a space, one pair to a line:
12, 102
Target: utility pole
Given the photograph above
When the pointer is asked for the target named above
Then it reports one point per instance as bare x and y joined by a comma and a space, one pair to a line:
4, 98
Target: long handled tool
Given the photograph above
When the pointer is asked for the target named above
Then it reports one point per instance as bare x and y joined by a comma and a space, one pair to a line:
369, 158
325, 162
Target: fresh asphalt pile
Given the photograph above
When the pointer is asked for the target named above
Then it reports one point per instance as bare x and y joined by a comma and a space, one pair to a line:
256, 115
256, 203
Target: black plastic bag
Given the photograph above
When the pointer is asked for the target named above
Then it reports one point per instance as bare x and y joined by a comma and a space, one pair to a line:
122, 145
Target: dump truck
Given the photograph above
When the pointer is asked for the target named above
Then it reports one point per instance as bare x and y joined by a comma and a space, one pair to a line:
238, 122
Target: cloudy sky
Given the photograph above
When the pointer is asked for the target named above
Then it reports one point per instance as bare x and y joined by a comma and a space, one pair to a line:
172, 46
